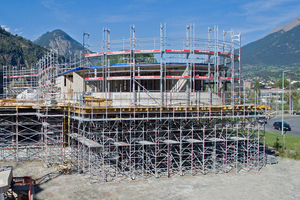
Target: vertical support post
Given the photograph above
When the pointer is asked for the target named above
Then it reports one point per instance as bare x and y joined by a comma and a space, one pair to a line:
156, 149
161, 65
133, 65
188, 66
17, 133
215, 149
232, 67
216, 59
180, 150
203, 151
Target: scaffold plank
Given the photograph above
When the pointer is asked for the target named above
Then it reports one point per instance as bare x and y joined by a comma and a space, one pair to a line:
237, 138
170, 141
146, 142
85, 141
193, 140
216, 139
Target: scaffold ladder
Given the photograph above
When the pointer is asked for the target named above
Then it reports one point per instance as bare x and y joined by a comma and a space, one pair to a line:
181, 82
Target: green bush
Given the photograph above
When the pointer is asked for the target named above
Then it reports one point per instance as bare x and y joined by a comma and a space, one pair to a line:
293, 154
292, 144
277, 145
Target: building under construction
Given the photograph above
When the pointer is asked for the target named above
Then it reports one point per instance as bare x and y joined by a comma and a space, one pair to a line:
139, 108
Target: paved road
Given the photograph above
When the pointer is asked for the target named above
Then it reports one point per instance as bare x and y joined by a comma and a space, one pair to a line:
293, 121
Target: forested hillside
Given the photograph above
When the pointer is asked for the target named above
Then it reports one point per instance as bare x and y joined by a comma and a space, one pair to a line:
16, 50
282, 50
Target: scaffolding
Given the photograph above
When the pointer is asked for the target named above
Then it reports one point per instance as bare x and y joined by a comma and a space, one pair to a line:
159, 107
113, 143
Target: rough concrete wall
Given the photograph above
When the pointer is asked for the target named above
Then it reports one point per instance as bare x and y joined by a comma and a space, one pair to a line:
64, 84
78, 83
75, 84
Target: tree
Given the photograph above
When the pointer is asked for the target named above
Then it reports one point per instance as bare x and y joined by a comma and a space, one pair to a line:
249, 96
294, 98
296, 85
15, 50
279, 83
257, 88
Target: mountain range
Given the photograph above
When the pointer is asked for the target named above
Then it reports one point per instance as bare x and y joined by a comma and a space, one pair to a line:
281, 47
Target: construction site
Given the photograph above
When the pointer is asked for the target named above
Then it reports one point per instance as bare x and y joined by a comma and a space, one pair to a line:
138, 108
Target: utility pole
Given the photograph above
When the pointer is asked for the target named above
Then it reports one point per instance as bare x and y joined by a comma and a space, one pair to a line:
290, 98
282, 115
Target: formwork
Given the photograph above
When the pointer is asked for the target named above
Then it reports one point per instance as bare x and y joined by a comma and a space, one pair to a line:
159, 107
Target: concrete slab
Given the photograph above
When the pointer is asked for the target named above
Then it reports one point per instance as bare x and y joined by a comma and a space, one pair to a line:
6, 176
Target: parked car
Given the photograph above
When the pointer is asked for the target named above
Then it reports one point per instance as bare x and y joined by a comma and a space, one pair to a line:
296, 112
262, 120
278, 125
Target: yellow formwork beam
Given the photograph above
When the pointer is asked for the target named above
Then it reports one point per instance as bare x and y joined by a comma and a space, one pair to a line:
87, 110
103, 106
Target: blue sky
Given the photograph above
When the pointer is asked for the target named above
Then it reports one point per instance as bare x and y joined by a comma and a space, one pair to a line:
253, 19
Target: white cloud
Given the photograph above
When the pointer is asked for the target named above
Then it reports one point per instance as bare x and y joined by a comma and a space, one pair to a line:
18, 29
263, 5
264, 15
50, 4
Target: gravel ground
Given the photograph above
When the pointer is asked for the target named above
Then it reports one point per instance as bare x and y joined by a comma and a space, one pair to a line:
279, 181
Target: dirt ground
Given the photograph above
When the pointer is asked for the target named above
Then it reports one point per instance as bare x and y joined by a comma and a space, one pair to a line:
279, 181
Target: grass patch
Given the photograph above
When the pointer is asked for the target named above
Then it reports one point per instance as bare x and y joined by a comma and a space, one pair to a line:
290, 140
292, 144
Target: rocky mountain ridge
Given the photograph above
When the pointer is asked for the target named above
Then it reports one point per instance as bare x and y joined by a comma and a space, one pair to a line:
288, 26
281, 47
61, 42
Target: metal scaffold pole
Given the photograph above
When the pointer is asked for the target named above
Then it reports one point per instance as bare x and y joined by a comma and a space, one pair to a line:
232, 67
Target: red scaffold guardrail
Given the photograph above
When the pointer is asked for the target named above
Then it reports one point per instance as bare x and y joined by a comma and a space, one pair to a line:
148, 51
225, 78
224, 54
28, 75
177, 77
203, 52
147, 77
44, 70
18, 76
17, 87
204, 77
118, 52
93, 78
93, 54
178, 51
90, 55
118, 78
